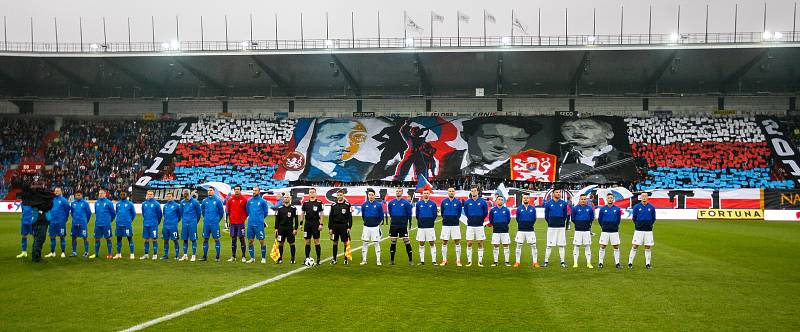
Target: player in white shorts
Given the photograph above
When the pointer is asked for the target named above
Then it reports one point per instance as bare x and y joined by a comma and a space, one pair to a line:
451, 226
609, 218
476, 209
526, 218
500, 219
582, 216
556, 215
372, 213
426, 212
644, 216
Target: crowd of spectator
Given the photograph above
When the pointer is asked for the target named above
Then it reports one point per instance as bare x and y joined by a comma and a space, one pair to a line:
89, 155
19, 137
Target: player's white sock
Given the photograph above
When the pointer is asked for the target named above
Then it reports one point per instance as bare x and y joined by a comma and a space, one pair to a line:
616, 256
506, 253
364, 248
575, 253
534, 253
496, 253
601, 254
422, 254
647, 255
587, 251
480, 255
458, 252
631, 256
562, 251
444, 252
433, 253
469, 254
377, 251
547, 251
518, 252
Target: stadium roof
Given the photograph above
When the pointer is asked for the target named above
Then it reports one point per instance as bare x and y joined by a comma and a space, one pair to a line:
503, 68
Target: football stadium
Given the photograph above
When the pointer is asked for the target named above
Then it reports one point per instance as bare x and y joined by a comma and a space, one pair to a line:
573, 165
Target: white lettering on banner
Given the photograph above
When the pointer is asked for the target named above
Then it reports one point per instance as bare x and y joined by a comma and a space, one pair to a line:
784, 151
181, 128
169, 148
782, 147
155, 167
143, 181
794, 167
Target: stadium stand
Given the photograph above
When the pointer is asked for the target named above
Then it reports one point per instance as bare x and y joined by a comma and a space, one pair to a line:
724, 153
89, 155
21, 139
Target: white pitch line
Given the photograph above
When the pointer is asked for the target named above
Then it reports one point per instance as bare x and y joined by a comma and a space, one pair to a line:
231, 294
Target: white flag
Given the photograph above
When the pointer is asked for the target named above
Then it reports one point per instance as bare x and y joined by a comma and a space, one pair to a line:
463, 17
413, 25
436, 17
490, 18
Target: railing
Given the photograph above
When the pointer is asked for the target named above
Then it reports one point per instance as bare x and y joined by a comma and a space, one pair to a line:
406, 43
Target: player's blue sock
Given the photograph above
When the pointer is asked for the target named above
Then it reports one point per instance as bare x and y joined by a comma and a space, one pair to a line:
85, 246
216, 246
52, 244
130, 244
63, 244
147, 248
166, 248
108, 246
185, 247
97, 247
205, 248
119, 245
74, 244
263, 251
177, 249
194, 247
251, 250
25, 244
155, 248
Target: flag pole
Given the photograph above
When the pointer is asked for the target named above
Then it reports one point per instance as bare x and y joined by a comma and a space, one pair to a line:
431, 28
458, 27
512, 25
405, 26
484, 27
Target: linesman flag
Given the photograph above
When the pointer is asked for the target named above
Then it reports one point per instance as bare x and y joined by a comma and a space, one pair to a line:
347, 252
275, 253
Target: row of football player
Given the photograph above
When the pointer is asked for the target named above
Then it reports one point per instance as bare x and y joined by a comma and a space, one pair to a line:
253, 211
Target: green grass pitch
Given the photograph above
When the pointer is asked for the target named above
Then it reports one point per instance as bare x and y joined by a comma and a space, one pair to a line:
706, 276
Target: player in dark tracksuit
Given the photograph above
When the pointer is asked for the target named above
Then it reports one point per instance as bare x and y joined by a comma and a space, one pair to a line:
340, 223
400, 222
286, 224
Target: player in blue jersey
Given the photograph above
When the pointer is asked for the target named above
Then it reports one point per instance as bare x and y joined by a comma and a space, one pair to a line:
58, 223
151, 218
500, 219
526, 218
582, 217
372, 213
81, 213
125, 215
644, 216
212, 211
190, 209
400, 222
556, 214
26, 228
609, 217
426, 212
103, 217
451, 225
169, 231
476, 210
257, 210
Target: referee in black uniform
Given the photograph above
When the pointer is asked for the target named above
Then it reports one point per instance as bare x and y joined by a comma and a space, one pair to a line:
286, 224
341, 220
312, 222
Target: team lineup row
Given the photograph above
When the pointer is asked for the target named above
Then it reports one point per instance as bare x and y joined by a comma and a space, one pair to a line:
247, 218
